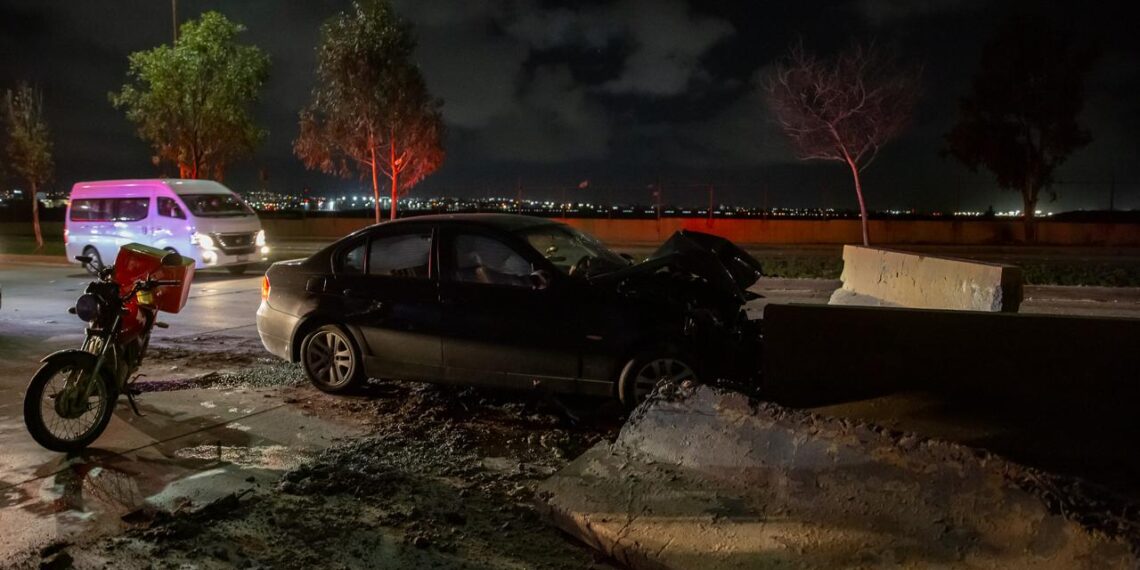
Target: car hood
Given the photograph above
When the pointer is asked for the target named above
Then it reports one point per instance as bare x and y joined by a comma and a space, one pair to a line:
726, 267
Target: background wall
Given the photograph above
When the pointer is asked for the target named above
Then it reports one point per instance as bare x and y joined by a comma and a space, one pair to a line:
749, 231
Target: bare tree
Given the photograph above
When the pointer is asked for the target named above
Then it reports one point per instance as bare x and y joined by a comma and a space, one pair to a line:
28, 145
844, 108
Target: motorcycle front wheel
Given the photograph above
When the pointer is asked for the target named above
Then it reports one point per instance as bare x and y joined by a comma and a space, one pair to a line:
56, 414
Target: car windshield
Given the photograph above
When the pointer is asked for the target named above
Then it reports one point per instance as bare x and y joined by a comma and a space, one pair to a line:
215, 205
573, 252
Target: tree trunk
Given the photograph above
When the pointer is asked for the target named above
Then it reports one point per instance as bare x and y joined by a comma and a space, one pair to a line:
395, 172
395, 193
1029, 203
36, 218
859, 194
375, 182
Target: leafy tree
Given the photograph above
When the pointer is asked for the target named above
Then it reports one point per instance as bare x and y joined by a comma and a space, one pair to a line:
843, 109
28, 144
1020, 119
191, 101
371, 113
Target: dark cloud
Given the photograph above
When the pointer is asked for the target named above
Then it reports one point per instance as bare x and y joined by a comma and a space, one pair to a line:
623, 92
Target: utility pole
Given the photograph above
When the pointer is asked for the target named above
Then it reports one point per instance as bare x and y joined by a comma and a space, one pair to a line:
174, 18
1112, 187
710, 223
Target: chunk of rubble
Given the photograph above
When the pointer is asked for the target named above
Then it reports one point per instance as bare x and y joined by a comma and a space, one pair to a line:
709, 480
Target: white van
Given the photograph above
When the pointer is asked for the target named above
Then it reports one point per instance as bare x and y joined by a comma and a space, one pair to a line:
200, 219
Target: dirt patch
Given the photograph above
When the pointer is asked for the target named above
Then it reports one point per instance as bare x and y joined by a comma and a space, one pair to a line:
223, 362
445, 479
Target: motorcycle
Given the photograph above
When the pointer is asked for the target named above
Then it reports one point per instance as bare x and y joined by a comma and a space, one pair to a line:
69, 401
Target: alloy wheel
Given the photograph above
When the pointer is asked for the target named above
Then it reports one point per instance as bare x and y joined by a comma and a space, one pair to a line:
330, 358
657, 371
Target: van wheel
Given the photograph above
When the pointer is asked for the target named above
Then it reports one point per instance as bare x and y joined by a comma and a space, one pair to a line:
236, 269
96, 264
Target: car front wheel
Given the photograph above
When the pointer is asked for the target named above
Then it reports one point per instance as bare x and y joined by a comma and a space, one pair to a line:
645, 371
331, 360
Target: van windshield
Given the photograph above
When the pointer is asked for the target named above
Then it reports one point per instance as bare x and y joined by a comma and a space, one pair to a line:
215, 205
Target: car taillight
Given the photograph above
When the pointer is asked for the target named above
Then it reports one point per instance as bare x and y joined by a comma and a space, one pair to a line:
64, 236
265, 288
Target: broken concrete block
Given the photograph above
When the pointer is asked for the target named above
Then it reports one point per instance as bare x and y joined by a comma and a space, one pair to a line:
883, 277
710, 481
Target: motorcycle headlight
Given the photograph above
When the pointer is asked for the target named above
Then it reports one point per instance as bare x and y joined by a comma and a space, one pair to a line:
87, 307
260, 239
203, 240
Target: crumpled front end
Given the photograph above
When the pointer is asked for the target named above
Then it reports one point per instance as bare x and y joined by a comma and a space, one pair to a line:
696, 285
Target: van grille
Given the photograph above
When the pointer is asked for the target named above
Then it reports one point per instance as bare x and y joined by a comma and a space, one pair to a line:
236, 244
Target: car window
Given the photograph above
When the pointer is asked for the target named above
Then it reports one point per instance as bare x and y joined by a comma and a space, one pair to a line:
570, 250
352, 260
131, 209
404, 255
480, 259
168, 208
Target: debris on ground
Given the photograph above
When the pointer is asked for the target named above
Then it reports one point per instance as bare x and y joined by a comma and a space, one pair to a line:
444, 479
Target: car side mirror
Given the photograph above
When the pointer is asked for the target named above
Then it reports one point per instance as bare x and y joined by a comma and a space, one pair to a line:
172, 259
540, 280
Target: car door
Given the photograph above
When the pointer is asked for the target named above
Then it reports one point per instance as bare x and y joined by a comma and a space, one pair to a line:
386, 289
499, 329
169, 227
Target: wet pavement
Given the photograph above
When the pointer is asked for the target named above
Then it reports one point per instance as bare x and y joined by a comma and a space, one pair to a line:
191, 446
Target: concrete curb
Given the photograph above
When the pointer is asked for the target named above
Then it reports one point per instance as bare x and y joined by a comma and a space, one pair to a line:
708, 481
19, 259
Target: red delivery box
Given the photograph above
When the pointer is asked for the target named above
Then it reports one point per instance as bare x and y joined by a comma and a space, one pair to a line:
136, 262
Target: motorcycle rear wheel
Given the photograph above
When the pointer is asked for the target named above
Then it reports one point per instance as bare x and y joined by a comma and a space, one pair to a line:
47, 420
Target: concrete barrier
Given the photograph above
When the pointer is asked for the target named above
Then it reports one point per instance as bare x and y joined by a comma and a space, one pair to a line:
707, 480
883, 277
1054, 391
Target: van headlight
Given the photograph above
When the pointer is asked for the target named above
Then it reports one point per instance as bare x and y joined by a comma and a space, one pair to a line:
203, 240
260, 239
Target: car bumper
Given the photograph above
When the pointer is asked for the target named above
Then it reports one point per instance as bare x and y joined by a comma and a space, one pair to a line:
276, 330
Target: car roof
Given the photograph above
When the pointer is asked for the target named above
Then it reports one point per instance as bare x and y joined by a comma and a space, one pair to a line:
507, 222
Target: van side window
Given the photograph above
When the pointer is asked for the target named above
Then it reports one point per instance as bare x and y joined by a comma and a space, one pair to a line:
168, 208
131, 209
91, 210
403, 255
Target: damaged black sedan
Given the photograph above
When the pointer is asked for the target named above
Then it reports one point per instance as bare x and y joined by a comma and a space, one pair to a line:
511, 301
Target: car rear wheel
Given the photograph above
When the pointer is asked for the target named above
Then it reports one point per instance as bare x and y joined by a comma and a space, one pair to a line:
331, 361
645, 371
96, 264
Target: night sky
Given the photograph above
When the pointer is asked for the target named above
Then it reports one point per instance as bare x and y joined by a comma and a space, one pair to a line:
619, 93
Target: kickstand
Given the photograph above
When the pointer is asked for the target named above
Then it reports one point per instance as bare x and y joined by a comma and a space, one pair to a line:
131, 393
131, 398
